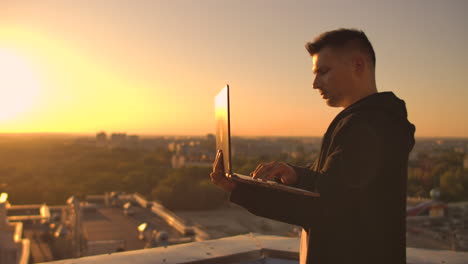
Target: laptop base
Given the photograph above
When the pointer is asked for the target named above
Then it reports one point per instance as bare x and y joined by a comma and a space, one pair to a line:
271, 185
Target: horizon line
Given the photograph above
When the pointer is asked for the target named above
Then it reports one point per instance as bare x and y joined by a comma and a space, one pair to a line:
189, 135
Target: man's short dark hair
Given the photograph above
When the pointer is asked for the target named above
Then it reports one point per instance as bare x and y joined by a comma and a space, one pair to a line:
345, 39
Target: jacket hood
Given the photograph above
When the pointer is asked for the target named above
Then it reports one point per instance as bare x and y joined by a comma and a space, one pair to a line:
391, 105
386, 101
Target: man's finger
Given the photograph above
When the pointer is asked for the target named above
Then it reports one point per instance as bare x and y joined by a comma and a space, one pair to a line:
254, 173
219, 164
215, 177
266, 167
258, 171
264, 170
274, 172
216, 160
212, 176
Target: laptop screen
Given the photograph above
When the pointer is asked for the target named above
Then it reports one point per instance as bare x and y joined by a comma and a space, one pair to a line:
223, 137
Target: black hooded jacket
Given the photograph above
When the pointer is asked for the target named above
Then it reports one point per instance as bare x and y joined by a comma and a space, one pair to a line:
361, 175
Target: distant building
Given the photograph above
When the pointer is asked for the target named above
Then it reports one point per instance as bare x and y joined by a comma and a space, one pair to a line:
101, 138
181, 161
132, 141
171, 146
210, 137
459, 149
118, 138
177, 161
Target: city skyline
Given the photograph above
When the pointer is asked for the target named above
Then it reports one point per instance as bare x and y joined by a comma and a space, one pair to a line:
154, 67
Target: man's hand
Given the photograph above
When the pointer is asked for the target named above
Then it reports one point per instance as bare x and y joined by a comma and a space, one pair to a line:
275, 170
218, 176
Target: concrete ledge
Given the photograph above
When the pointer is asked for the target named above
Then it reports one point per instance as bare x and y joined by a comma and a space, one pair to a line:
428, 256
248, 247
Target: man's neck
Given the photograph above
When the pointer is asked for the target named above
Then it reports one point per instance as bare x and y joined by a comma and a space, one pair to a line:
369, 90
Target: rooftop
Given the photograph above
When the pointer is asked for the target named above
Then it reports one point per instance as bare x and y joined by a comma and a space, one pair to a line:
109, 223
100, 231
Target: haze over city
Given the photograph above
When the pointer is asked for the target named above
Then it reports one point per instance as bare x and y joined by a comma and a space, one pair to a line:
154, 67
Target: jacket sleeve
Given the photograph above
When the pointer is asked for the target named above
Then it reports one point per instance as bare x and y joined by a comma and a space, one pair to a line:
270, 203
342, 181
307, 177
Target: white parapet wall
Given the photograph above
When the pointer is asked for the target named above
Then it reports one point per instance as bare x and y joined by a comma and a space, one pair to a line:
13, 249
25, 251
171, 218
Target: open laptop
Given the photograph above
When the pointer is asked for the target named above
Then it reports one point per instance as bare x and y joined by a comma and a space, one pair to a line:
223, 142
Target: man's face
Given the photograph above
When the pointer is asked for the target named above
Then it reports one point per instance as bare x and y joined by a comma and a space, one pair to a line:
332, 77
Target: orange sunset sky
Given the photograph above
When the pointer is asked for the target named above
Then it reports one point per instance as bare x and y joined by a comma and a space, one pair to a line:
154, 67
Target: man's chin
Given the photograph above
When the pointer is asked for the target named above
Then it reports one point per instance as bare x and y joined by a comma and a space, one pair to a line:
332, 103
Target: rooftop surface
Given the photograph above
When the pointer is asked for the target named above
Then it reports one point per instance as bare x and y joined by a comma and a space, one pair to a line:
108, 229
40, 250
109, 223
234, 220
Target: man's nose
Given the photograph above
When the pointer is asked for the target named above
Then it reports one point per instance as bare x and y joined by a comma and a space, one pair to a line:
315, 83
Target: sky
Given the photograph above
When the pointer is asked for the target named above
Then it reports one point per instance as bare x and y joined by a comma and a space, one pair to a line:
153, 67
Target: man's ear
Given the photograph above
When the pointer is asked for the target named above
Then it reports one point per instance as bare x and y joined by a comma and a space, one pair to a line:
359, 64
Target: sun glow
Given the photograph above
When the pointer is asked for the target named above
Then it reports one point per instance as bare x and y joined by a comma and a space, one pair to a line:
19, 85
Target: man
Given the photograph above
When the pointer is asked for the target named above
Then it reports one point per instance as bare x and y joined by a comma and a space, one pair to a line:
361, 171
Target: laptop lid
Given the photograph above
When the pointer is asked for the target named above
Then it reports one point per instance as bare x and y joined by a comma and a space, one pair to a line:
223, 142
223, 137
